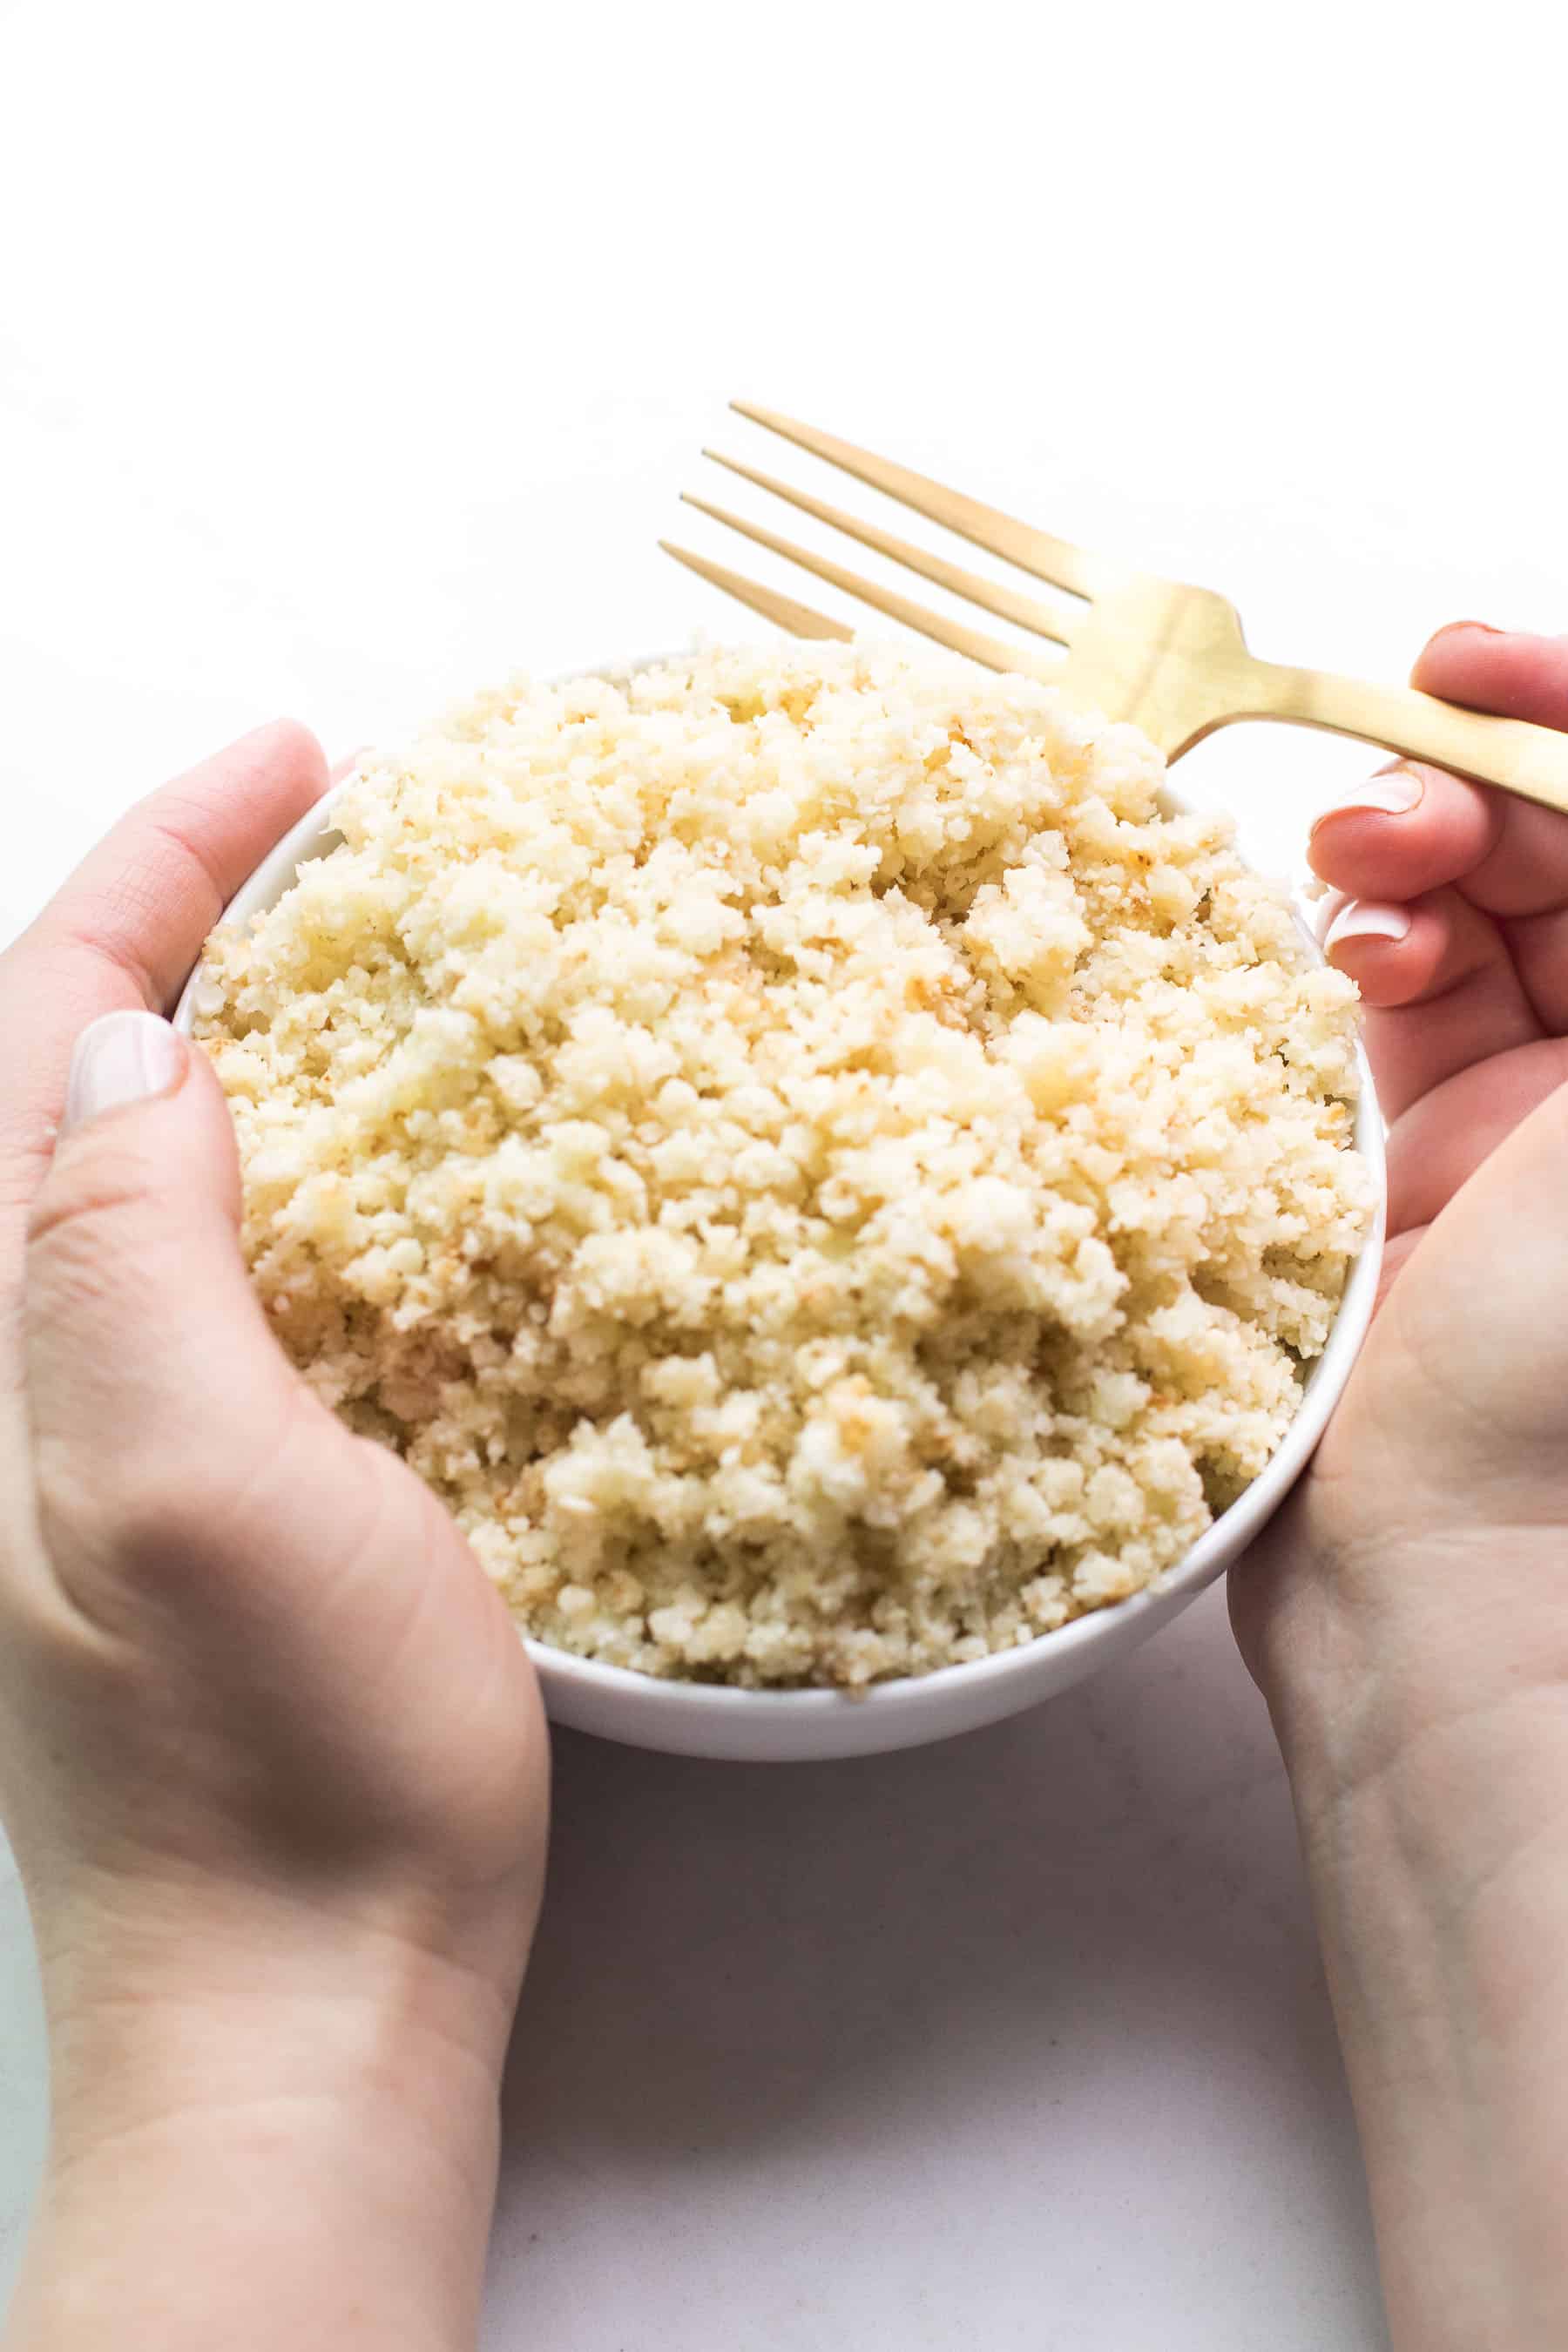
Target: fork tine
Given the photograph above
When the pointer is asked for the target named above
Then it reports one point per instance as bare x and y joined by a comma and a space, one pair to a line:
1056, 560
1004, 601
990, 652
798, 619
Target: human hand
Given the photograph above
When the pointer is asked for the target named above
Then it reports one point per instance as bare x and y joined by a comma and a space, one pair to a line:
1407, 1615
271, 1755
1452, 916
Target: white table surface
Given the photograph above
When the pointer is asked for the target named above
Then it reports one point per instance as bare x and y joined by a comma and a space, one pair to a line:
1019, 2041
350, 355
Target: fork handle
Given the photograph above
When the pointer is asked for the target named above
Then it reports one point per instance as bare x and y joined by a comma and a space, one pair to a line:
1529, 761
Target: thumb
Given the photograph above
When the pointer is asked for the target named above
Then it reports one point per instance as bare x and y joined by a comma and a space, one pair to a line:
145, 1343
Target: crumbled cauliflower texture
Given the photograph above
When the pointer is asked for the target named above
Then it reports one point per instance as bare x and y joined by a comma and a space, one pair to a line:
820, 1172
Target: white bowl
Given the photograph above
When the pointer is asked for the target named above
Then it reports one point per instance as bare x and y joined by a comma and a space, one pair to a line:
807, 1725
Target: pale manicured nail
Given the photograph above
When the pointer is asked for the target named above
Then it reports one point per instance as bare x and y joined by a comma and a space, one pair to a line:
1366, 918
1321, 910
1393, 793
122, 1058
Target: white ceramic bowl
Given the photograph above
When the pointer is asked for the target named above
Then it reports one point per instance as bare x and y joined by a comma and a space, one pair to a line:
793, 1727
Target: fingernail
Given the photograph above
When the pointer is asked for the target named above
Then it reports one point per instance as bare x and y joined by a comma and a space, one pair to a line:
122, 1059
1366, 918
1482, 629
1393, 790
1321, 908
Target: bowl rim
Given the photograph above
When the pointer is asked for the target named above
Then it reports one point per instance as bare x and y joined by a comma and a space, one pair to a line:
1198, 1567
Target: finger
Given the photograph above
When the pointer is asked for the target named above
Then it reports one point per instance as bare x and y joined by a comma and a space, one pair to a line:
1524, 869
1444, 1139
1508, 855
128, 925
1411, 828
138, 1218
140, 1329
1523, 875
1439, 985
189, 1487
1539, 946
145, 900
1502, 670
1408, 829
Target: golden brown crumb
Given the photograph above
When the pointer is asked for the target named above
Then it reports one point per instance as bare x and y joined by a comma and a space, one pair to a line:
818, 1171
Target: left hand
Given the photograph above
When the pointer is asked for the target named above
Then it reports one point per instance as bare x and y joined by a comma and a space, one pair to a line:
271, 1754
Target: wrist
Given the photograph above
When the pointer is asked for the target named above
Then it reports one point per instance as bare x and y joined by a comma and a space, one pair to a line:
166, 1999
300, 2216
295, 2116
1419, 1687
1440, 1890
1375, 1641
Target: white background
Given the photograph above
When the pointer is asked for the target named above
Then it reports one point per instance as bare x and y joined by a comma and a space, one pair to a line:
353, 354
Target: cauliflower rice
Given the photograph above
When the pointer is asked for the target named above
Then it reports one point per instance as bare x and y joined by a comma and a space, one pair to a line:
821, 1175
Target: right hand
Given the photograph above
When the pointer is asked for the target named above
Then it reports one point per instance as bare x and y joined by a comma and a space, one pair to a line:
1451, 915
1407, 1614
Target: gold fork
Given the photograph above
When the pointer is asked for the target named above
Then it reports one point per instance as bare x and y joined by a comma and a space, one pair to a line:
1169, 657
